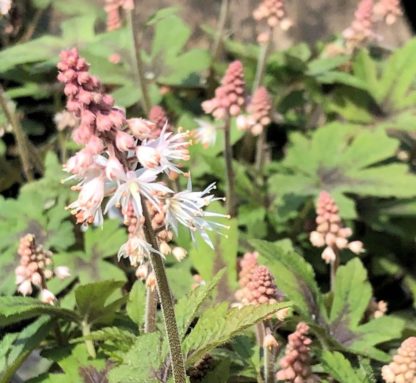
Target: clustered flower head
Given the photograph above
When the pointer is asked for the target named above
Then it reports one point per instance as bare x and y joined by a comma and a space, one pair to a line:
388, 10
257, 283
36, 268
112, 9
330, 231
296, 363
229, 96
123, 161
403, 367
274, 12
258, 113
361, 29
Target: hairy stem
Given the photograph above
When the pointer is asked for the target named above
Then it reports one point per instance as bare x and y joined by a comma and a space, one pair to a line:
86, 330
229, 175
333, 269
166, 301
268, 358
260, 71
21, 139
151, 310
224, 11
136, 38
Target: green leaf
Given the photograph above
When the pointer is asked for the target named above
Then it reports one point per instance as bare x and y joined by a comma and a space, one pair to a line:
294, 277
352, 294
335, 364
218, 325
16, 309
145, 353
188, 306
136, 303
14, 349
209, 261
92, 300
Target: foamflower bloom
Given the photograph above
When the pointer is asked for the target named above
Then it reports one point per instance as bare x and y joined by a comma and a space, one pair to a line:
137, 250
206, 133
186, 208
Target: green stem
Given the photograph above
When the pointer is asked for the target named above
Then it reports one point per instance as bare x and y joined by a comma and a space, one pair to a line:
333, 268
260, 71
86, 330
166, 301
151, 310
229, 175
21, 139
224, 11
137, 57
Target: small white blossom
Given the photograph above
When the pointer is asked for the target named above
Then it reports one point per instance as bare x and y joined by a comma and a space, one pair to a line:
206, 133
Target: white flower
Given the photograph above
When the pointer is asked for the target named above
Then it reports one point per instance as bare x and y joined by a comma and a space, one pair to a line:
179, 253
317, 239
133, 186
62, 272
206, 133
328, 255
47, 297
137, 250
186, 208
356, 247
25, 288
167, 148
87, 208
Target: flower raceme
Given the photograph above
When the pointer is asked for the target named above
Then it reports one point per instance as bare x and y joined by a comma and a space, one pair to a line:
330, 231
125, 161
274, 13
403, 367
36, 268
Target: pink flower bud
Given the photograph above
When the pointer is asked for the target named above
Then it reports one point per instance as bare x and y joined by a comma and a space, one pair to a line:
328, 255
140, 128
356, 247
25, 288
270, 342
317, 239
124, 141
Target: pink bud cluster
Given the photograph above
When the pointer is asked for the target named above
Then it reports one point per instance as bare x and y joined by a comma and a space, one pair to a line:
257, 283
125, 161
296, 363
361, 29
377, 309
388, 10
112, 9
403, 367
158, 116
259, 111
36, 268
330, 231
274, 12
229, 96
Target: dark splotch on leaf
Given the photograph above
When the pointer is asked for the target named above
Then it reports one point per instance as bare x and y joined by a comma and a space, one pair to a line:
90, 374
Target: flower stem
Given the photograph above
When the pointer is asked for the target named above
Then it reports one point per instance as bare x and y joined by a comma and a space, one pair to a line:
139, 73
21, 139
224, 11
333, 269
268, 358
166, 301
229, 175
86, 330
151, 310
260, 71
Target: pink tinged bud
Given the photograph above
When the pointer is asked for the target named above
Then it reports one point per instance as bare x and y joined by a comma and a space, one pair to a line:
317, 239
118, 118
124, 141
48, 274
149, 157
70, 89
270, 342
179, 253
104, 124
36, 279
140, 128
94, 145
151, 281
47, 297
341, 243
114, 169
25, 288
142, 272
328, 255
62, 272
242, 123
356, 247
165, 248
